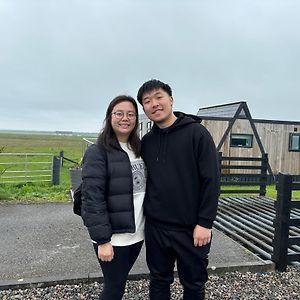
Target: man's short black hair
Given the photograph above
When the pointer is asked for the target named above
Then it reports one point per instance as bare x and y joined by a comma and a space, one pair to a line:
151, 85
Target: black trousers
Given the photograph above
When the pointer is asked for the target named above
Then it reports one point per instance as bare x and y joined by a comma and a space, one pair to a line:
115, 272
163, 248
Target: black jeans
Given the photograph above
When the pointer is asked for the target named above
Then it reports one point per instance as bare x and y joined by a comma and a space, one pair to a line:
163, 248
115, 272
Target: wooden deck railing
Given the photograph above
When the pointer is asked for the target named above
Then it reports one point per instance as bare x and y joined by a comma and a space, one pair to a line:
282, 256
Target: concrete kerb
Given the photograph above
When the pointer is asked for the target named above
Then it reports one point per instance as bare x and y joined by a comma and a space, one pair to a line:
254, 267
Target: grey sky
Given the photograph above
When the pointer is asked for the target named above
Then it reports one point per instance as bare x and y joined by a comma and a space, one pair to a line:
61, 62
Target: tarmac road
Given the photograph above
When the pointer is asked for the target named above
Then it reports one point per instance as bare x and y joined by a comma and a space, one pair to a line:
49, 242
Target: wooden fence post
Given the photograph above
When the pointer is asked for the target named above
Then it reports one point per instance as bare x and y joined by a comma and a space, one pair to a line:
263, 181
56, 170
220, 160
281, 221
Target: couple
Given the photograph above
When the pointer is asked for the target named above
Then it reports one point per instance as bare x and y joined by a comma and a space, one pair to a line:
179, 200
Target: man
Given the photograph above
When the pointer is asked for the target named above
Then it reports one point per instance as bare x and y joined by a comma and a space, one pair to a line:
181, 196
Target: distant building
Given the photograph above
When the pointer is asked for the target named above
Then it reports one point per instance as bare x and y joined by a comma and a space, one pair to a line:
145, 125
64, 132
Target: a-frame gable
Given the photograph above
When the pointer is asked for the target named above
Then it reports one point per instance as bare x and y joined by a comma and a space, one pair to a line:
234, 111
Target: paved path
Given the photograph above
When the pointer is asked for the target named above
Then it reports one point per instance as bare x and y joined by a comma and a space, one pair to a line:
48, 242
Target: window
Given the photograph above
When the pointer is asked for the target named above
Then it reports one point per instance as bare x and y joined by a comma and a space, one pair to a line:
149, 125
141, 130
241, 140
294, 143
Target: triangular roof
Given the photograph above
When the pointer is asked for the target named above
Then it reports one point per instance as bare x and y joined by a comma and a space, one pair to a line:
222, 111
232, 111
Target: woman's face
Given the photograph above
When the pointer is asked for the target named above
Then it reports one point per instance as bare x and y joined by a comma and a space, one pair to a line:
123, 120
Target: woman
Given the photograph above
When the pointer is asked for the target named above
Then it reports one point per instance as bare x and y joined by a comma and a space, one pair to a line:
113, 190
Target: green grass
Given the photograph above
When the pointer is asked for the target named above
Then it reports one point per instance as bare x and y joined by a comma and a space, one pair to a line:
72, 147
34, 143
271, 191
34, 193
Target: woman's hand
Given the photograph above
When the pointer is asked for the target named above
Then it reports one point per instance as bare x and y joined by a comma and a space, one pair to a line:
106, 252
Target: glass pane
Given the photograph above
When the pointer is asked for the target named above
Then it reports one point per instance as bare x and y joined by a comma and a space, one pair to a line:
295, 144
149, 126
241, 140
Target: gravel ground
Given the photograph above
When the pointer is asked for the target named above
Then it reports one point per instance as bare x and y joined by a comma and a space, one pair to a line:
234, 286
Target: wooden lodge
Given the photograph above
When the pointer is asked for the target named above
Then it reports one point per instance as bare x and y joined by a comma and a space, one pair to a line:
279, 139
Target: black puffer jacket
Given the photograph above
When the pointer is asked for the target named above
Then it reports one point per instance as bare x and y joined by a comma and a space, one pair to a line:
107, 193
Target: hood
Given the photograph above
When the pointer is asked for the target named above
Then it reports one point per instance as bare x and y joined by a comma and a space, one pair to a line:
181, 121
163, 134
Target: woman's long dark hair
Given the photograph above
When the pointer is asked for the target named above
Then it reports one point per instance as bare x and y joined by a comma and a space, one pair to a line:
107, 136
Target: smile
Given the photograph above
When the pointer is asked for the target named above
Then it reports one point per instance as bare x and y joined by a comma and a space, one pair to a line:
157, 110
124, 125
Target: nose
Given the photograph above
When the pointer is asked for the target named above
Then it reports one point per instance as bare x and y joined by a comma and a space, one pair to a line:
125, 116
154, 103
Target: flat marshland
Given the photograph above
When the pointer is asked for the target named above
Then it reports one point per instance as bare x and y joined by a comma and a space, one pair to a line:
72, 145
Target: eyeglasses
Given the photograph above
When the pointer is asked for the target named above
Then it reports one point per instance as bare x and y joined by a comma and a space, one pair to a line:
120, 115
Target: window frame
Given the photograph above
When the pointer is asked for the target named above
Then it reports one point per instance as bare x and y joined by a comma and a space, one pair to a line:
241, 134
149, 126
141, 130
290, 141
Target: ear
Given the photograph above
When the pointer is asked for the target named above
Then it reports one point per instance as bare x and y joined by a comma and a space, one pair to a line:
172, 100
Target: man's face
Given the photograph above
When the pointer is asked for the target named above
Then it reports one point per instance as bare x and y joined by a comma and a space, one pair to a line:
157, 105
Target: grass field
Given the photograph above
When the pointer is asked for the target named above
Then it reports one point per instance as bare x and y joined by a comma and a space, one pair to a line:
36, 143
45, 192
271, 191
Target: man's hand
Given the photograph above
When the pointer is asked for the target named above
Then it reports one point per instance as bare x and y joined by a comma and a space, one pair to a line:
201, 235
106, 252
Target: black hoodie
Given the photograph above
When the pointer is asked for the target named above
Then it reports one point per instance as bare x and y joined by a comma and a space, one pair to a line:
183, 175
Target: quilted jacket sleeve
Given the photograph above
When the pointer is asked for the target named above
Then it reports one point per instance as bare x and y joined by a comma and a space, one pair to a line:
94, 190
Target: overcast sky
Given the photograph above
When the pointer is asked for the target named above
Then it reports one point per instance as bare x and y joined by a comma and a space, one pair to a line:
62, 61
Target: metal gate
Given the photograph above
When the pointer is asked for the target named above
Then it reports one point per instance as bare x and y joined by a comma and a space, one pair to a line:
26, 167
